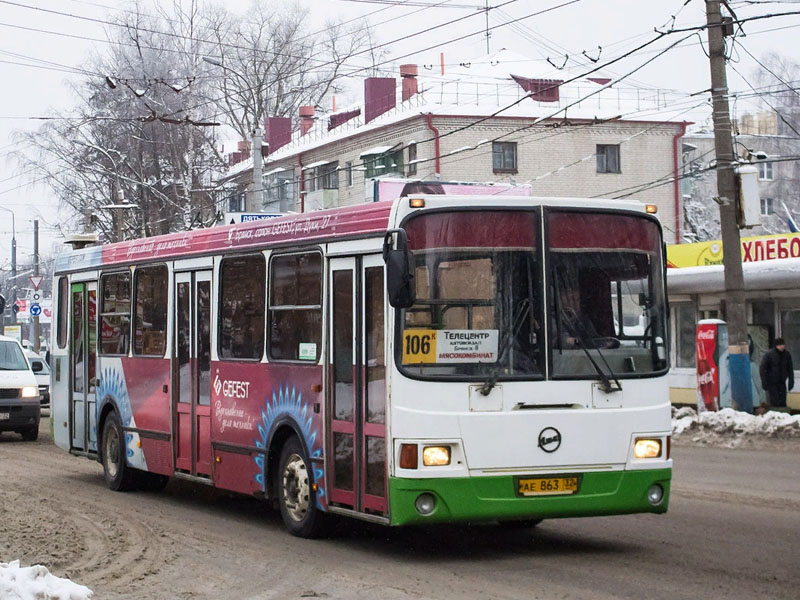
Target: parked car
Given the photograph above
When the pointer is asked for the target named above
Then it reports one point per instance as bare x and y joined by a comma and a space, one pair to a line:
19, 391
41, 370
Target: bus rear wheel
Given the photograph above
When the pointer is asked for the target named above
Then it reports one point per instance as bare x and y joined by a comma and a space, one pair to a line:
296, 496
119, 476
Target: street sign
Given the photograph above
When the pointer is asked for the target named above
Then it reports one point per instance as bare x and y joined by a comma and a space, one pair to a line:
35, 309
36, 281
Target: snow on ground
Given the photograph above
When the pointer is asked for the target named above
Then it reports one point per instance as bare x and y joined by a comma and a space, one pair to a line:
731, 427
37, 583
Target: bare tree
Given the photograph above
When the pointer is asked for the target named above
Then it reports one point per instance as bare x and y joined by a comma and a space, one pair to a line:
142, 136
269, 63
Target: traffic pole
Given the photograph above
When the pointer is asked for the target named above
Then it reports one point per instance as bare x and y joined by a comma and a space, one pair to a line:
36, 344
735, 313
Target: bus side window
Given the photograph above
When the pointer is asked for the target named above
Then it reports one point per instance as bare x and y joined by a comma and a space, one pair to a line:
115, 313
295, 307
150, 332
63, 312
241, 307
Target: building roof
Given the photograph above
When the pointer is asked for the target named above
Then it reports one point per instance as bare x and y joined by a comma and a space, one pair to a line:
493, 86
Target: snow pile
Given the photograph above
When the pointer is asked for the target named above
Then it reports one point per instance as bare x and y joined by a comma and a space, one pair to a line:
732, 422
37, 583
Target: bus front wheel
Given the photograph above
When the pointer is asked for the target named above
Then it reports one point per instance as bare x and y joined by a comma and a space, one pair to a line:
296, 495
119, 476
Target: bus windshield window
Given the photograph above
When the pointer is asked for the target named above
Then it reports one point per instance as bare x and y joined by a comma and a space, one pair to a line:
606, 295
477, 313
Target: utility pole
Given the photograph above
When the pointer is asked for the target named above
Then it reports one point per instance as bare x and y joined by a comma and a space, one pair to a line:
728, 197
256, 200
488, 34
13, 265
36, 331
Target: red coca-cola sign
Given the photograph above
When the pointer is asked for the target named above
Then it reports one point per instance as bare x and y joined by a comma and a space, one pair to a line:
707, 367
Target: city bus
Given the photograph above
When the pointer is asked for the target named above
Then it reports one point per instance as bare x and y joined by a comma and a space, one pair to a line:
429, 359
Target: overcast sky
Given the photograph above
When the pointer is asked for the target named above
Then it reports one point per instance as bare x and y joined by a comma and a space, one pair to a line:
34, 65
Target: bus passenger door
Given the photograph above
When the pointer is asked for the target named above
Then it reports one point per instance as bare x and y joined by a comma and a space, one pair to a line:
191, 373
83, 365
356, 390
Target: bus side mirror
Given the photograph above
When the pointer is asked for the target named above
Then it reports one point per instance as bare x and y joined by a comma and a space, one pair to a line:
399, 261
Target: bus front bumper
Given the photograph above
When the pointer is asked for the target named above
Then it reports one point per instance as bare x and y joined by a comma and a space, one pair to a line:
481, 499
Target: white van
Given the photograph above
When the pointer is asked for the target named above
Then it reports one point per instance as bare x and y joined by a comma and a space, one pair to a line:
19, 392
41, 370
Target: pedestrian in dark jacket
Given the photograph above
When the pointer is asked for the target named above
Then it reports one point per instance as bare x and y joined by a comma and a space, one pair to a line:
776, 368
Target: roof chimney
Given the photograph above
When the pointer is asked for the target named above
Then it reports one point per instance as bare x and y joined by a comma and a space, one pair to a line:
306, 119
379, 96
408, 73
277, 133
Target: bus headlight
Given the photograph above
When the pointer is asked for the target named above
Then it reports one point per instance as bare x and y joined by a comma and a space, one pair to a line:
30, 391
647, 448
436, 456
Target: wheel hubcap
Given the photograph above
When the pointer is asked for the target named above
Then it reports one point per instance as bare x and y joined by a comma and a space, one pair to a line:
296, 490
111, 453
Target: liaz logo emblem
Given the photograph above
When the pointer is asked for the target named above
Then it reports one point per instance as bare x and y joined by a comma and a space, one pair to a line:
549, 439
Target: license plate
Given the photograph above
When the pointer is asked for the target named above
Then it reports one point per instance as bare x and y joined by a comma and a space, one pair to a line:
4, 416
548, 486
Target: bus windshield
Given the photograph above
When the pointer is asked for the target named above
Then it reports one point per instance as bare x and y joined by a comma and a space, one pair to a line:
483, 312
606, 296
478, 304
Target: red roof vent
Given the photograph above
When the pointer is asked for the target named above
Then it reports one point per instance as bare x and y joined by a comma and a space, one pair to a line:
343, 117
306, 119
277, 133
379, 97
541, 90
408, 73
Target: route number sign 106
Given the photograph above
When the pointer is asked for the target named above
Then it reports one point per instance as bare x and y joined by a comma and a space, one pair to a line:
419, 346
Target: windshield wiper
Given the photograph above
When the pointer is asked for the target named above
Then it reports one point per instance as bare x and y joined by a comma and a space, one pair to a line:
571, 323
505, 343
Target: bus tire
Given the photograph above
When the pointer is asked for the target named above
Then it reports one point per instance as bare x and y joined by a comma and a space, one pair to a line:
119, 476
297, 499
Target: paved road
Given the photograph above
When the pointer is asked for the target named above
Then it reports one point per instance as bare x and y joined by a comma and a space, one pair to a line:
733, 531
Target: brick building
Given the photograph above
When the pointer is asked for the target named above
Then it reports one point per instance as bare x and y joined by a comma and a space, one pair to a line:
487, 121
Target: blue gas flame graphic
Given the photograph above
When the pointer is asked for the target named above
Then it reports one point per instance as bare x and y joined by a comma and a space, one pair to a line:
112, 385
289, 403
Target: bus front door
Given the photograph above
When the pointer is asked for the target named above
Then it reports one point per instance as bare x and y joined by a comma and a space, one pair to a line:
82, 366
191, 373
357, 391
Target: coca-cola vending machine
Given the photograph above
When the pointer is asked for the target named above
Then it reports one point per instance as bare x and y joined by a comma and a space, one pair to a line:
713, 376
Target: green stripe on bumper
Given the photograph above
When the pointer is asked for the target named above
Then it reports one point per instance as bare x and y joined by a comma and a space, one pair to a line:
492, 498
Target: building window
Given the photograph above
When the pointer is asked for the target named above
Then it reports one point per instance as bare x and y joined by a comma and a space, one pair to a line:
348, 169
608, 158
790, 331
412, 159
279, 188
236, 201
115, 314
765, 171
295, 307
378, 165
323, 177
150, 332
241, 307
504, 157
767, 207
686, 325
